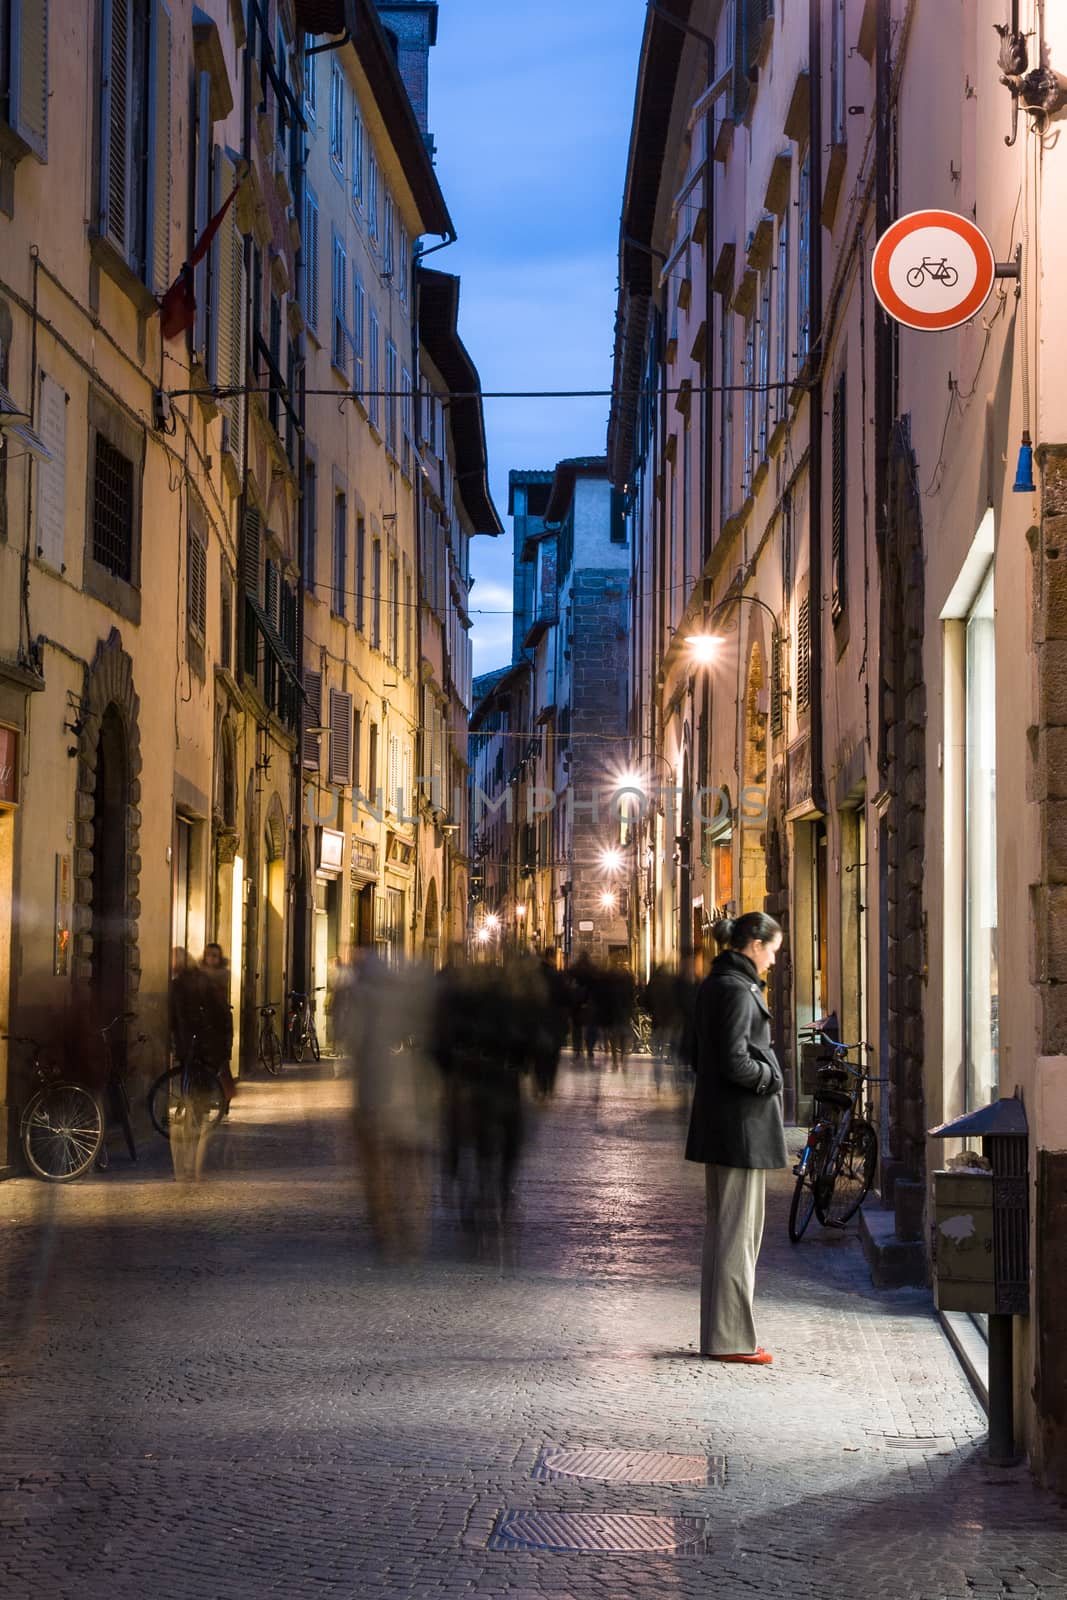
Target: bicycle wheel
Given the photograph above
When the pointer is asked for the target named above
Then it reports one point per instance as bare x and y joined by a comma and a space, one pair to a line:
914, 277
270, 1051
840, 1197
164, 1093
296, 1037
62, 1131
949, 277
314, 1041
120, 1106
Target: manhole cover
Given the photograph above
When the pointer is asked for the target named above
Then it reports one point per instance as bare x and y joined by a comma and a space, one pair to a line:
897, 1441
618, 1533
630, 1466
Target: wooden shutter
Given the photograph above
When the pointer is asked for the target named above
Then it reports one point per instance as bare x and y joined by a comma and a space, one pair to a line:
776, 684
28, 45
311, 261
838, 491
197, 592
340, 737
157, 273
251, 551
273, 594
312, 719
115, 173
202, 205
804, 654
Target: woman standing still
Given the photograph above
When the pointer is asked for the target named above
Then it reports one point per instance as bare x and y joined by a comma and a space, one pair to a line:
735, 1130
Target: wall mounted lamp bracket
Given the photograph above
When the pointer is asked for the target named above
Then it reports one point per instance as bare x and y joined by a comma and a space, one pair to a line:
1012, 268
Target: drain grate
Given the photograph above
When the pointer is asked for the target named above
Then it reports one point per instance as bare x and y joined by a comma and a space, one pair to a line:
630, 1466
614, 1533
897, 1441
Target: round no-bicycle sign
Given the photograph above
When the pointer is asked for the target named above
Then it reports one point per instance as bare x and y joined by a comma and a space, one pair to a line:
933, 270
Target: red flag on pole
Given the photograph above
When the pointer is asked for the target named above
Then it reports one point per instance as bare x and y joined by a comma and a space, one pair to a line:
177, 308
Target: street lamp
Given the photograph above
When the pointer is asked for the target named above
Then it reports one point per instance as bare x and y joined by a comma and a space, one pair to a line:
705, 646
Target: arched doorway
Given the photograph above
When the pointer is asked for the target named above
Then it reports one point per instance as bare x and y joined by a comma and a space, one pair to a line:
431, 924
110, 861
752, 811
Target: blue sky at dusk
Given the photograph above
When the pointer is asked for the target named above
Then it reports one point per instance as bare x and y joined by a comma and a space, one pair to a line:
531, 105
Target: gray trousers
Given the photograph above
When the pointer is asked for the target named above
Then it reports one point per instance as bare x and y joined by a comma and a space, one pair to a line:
732, 1241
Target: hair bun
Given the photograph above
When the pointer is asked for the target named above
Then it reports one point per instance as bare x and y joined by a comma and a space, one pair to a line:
723, 931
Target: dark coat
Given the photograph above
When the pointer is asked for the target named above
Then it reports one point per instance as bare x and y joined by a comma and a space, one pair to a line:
737, 1106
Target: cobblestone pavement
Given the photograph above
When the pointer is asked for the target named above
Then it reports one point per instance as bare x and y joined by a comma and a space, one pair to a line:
213, 1389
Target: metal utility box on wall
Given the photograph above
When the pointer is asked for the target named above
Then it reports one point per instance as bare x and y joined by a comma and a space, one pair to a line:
963, 1242
997, 1205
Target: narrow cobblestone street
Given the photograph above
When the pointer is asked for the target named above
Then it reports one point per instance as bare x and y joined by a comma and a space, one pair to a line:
213, 1389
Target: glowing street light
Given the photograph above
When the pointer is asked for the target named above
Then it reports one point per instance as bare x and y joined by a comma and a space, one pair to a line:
705, 646
492, 921
608, 900
520, 911
482, 936
611, 859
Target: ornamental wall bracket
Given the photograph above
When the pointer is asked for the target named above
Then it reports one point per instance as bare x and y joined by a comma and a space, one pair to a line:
1041, 91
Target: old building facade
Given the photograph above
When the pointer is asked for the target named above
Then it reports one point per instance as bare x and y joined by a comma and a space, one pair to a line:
844, 628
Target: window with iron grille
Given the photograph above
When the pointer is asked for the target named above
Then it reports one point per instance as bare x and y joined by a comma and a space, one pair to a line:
803, 679
113, 509
340, 737
838, 508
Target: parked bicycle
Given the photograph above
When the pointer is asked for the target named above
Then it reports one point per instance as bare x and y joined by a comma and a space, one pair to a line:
300, 1031
64, 1124
188, 1098
837, 1165
269, 1052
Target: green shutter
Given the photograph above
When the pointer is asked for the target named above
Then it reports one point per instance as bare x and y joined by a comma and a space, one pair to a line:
157, 273
116, 49
29, 73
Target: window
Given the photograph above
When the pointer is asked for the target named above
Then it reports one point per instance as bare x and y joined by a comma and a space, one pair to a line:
373, 374
24, 72
311, 260
226, 334
838, 491
312, 753
360, 607
196, 586
359, 318
340, 553
357, 160
837, 72
726, 431
393, 619
226, 623
804, 655
340, 737
390, 396
135, 119
337, 118
310, 63
763, 369
781, 321
357, 749
372, 764
981, 1021
803, 260
787, 545
403, 265
372, 196
748, 378
406, 444
339, 344
204, 145
388, 228
112, 510
311, 520
407, 622
375, 597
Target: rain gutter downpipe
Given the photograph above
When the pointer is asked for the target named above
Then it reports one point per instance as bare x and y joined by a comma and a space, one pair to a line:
816, 357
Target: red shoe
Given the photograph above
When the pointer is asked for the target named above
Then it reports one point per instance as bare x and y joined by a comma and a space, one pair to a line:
758, 1358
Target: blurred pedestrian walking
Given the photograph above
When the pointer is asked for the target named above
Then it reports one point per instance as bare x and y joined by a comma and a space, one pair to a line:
736, 1131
